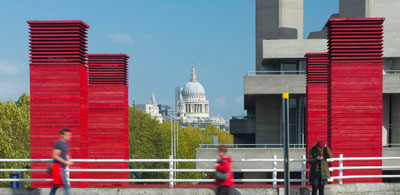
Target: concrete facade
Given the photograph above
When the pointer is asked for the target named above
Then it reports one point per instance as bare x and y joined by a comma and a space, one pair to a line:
268, 129
277, 19
280, 65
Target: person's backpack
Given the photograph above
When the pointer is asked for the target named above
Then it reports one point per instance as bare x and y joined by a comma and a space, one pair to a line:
221, 176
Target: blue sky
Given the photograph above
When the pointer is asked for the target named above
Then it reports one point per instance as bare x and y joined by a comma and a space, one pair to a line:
162, 37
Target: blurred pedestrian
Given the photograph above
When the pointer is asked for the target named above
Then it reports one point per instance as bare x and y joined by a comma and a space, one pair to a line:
223, 173
61, 161
319, 171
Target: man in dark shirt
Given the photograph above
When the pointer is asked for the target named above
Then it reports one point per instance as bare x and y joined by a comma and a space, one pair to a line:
60, 156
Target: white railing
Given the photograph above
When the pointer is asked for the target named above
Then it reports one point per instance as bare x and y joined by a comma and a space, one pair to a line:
278, 72
205, 146
389, 72
274, 169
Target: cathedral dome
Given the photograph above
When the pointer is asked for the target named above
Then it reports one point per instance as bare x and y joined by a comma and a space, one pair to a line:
193, 89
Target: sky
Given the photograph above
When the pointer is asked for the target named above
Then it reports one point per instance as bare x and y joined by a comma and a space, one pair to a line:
162, 38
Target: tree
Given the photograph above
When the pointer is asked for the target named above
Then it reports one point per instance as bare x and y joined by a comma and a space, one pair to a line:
14, 133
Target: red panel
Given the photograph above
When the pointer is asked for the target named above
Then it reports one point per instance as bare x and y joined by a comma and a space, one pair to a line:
355, 92
58, 81
317, 99
108, 114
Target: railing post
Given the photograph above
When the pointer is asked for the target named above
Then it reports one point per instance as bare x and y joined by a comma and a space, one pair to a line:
274, 174
340, 168
171, 172
304, 171
67, 172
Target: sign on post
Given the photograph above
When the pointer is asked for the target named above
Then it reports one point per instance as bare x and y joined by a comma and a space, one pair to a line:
285, 117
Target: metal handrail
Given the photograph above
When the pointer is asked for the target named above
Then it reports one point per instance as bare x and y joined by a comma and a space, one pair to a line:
277, 72
302, 72
274, 161
205, 146
395, 72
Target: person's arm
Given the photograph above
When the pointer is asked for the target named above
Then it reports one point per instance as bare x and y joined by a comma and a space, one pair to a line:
223, 166
311, 160
328, 153
56, 156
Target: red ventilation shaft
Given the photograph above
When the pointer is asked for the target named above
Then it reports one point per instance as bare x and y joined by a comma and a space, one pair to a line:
108, 115
355, 92
58, 88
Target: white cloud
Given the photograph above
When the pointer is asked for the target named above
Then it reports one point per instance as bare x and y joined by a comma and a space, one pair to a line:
148, 36
11, 90
220, 101
123, 38
9, 69
239, 99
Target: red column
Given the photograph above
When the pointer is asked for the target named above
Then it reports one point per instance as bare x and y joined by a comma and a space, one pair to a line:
317, 98
108, 115
355, 92
58, 84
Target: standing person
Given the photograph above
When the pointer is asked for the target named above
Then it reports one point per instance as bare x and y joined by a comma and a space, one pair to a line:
61, 160
319, 172
224, 174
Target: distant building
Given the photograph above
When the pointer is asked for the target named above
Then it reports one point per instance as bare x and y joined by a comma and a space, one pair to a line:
152, 109
192, 106
164, 110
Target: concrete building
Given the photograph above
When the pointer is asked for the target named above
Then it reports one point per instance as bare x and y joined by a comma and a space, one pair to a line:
280, 67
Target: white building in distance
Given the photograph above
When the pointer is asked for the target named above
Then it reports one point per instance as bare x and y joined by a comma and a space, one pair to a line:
192, 106
151, 109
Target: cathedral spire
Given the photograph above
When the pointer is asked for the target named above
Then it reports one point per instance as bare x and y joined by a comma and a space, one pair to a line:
193, 74
153, 99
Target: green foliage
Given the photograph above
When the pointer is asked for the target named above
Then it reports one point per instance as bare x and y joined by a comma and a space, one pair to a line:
150, 139
14, 133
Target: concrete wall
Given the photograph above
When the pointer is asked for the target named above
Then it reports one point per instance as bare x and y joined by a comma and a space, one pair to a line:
391, 34
391, 83
291, 15
274, 84
396, 119
353, 8
242, 126
385, 121
277, 19
288, 48
296, 84
267, 120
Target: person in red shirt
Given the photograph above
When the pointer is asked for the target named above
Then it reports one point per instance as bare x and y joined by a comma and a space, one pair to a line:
224, 165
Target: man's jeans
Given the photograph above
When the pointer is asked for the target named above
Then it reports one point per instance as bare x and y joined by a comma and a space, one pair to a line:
66, 185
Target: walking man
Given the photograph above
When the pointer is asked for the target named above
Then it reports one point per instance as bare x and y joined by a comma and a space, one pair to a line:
61, 160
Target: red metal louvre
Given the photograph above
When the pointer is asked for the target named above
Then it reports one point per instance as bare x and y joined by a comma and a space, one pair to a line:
108, 114
355, 92
58, 84
317, 99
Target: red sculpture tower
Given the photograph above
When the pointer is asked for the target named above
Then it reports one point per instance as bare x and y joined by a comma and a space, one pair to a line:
58, 88
317, 98
108, 115
355, 92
